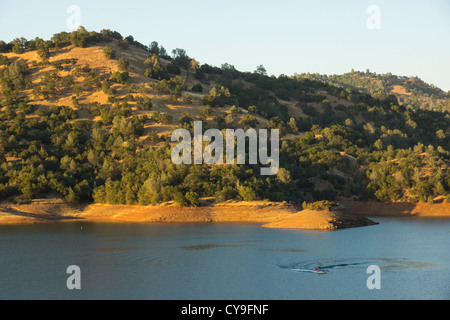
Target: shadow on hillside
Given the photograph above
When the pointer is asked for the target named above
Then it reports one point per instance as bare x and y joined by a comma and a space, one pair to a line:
60, 51
13, 59
381, 209
39, 216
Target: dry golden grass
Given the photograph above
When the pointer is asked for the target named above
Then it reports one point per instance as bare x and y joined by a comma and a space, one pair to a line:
93, 56
39, 211
242, 212
400, 90
320, 220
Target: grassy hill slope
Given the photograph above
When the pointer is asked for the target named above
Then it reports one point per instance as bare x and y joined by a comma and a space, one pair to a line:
87, 116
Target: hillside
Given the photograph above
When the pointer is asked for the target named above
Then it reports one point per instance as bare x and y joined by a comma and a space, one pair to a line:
411, 92
87, 116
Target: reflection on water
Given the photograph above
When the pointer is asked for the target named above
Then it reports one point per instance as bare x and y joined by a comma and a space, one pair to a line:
224, 261
402, 263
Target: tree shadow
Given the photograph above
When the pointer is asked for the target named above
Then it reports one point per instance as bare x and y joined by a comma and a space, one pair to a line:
381, 209
39, 216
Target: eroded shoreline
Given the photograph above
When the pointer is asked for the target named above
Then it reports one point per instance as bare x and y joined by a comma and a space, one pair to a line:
268, 214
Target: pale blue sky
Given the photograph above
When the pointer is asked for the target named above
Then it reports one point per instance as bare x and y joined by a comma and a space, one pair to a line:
286, 36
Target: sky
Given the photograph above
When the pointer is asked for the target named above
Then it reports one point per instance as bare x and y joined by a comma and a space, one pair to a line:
408, 38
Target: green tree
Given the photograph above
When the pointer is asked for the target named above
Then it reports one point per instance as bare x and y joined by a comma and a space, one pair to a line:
261, 70
218, 96
284, 176
43, 50
4, 61
71, 196
292, 124
249, 120
154, 48
123, 64
440, 134
248, 193
192, 198
120, 77
109, 53
154, 69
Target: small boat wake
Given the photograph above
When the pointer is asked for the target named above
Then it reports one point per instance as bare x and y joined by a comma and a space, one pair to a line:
329, 265
304, 270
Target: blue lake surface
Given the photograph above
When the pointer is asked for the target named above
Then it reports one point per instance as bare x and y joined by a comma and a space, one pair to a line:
225, 261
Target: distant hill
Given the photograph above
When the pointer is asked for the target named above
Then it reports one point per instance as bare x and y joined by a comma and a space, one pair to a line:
87, 116
410, 91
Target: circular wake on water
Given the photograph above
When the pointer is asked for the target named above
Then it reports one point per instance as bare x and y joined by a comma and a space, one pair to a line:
327, 265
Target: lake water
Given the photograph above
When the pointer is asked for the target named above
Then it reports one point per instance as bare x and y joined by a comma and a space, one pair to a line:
225, 261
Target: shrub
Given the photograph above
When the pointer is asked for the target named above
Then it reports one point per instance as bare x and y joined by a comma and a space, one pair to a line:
4, 61
123, 64
120, 77
197, 88
248, 194
109, 53
173, 68
218, 96
143, 103
249, 120
323, 205
192, 198
180, 199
